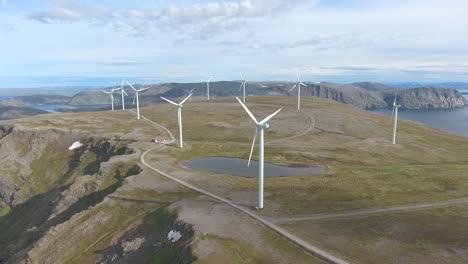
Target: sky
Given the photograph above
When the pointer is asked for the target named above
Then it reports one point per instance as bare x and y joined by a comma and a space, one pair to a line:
93, 43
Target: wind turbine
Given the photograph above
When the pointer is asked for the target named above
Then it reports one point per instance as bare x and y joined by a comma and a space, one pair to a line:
190, 92
111, 92
298, 85
123, 92
395, 119
179, 115
244, 81
208, 87
137, 98
262, 125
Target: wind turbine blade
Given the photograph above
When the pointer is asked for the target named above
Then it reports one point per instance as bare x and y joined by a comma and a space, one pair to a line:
394, 100
165, 99
297, 75
240, 88
131, 86
211, 78
106, 92
186, 98
124, 92
144, 89
191, 91
393, 112
134, 98
269, 117
122, 84
242, 76
247, 110
303, 84
293, 87
253, 145
186, 91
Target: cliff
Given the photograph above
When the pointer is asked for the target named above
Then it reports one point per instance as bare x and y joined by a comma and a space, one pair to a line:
426, 97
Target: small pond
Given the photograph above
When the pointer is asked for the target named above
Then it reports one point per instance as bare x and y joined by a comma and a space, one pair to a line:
238, 167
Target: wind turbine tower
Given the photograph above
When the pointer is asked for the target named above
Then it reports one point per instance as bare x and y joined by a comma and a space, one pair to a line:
298, 85
208, 87
395, 119
111, 92
123, 92
243, 83
179, 116
137, 97
259, 126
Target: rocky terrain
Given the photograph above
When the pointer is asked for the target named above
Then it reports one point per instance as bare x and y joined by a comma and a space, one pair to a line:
43, 184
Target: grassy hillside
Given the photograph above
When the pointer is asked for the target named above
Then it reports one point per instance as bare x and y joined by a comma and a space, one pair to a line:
13, 112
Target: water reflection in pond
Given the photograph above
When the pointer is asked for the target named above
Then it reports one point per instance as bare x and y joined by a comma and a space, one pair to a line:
238, 167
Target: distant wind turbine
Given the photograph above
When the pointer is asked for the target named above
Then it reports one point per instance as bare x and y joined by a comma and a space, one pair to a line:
179, 116
123, 92
208, 87
190, 92
395, 118
243, 83
111, 92
258, 126
137, 98
298, 85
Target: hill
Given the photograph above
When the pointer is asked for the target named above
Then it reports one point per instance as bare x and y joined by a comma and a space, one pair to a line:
13, 112
40, 99
100, 203
365, 95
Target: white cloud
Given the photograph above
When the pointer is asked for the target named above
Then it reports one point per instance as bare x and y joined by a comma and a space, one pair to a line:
199, 21
72, 11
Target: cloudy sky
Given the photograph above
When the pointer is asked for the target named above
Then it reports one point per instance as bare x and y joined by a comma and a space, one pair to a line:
71, 42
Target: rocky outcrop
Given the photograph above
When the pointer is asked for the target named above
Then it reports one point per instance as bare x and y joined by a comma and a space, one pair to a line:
426, 98
347, 94
46, 184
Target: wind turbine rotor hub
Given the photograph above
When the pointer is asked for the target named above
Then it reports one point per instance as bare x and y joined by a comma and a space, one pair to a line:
263, 126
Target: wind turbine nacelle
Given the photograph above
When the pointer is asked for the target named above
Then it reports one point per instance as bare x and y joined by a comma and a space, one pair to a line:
263, 126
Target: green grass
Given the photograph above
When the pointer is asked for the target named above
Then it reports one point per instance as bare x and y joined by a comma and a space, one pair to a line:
4, 208
428, 236
151, 195
232, 251
363, 168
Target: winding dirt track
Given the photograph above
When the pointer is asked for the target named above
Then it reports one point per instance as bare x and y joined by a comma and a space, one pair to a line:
298, 241
404, 208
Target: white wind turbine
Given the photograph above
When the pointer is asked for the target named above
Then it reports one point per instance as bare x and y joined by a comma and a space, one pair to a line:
111, 92
243, 83
190, 92
179, 116
298, 85
395, 119
262, 125
208, 87
123, 92
137, 98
